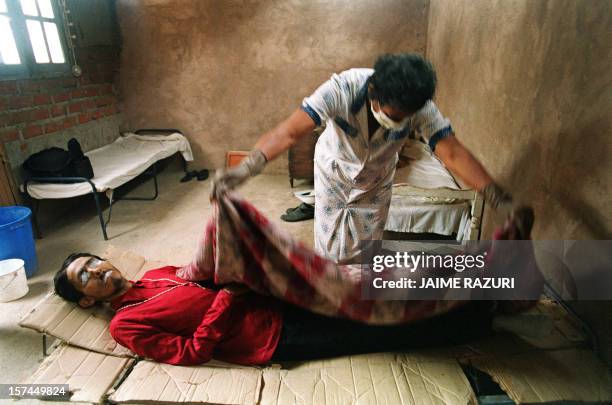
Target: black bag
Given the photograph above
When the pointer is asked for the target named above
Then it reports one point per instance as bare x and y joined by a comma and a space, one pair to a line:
57, 162
81, 166
50, 162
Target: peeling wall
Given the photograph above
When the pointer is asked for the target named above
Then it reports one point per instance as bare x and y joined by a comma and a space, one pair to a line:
527, 85
226, 71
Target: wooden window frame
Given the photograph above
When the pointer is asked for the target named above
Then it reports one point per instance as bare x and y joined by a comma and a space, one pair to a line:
29, 68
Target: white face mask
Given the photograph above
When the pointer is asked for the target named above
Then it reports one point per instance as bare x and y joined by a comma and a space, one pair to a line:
387, 122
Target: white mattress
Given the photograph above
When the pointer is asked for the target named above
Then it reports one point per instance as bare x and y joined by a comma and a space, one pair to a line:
426, 214
117, 163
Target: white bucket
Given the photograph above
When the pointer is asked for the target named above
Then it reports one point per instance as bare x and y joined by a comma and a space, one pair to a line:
13, 283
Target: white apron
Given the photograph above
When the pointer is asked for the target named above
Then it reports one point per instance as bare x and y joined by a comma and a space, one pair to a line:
353, 172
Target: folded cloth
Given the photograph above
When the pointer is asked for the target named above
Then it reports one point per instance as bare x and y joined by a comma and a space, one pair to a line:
240, 245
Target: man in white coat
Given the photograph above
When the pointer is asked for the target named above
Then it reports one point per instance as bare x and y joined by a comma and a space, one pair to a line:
368, 115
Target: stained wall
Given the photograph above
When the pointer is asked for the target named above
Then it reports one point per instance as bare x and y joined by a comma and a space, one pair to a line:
226, 71
527, 85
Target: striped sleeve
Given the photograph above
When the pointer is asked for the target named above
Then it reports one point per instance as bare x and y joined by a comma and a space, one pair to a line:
430, 125
326, 102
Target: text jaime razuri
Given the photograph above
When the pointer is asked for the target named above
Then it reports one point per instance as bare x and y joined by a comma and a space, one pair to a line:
390, 267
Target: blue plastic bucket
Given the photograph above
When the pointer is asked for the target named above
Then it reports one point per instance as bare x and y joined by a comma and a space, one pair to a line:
16, 239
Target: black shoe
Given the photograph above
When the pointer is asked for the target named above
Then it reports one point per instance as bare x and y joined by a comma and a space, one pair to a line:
301, 213
188, 176
289, 210
303, 206
202, 175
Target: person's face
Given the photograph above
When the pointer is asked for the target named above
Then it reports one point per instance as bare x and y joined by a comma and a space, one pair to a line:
97, 279
391, 112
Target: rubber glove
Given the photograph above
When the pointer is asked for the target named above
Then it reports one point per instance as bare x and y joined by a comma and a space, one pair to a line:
498, 198
228, 179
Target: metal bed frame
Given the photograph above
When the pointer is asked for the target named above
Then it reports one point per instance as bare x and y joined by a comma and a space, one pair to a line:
473, 197
151, 171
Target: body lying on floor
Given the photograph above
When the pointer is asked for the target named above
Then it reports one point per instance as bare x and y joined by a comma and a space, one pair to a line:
178, 315
156, 317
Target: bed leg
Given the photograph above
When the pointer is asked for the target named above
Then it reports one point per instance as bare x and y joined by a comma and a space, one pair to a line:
476, 214
97, 200
151, 172
44, 344
155, 180
110, 209
35, 204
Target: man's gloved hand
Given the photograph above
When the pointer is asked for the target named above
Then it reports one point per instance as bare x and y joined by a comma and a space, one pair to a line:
498, 198
229, 179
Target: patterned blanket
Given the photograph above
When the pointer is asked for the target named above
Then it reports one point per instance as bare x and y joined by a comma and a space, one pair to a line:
240, 245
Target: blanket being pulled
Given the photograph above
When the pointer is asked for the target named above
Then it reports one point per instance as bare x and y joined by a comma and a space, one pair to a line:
240, 245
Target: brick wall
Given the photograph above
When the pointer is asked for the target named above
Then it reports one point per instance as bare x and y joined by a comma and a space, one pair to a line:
37, 107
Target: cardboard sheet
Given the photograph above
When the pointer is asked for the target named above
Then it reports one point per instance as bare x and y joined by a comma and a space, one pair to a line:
83, 328
433, 376
546, 326
89, 375
163, 383
382, 378
366, 379
543, 376
86, 328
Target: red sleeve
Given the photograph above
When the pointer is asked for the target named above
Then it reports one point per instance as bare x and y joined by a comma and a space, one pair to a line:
150, 341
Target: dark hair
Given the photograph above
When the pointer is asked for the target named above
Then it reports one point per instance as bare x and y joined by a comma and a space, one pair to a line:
63, 286
405, 81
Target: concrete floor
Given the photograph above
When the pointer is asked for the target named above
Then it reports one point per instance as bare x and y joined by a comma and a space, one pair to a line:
165, 229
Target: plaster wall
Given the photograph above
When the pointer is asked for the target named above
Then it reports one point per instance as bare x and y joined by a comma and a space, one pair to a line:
527, 86
226, 71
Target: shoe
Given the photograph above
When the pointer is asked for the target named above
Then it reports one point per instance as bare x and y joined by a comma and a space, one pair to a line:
202, 175
301, 213
302, 205
188, 176
289, 210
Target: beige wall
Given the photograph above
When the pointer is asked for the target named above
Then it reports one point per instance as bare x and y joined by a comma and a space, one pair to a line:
527, 85
225, 71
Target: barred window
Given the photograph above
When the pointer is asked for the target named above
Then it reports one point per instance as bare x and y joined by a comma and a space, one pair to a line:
33, 42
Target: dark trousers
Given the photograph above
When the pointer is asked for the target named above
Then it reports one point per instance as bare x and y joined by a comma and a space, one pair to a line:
307, 336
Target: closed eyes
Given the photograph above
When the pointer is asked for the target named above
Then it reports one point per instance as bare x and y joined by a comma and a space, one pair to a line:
93, 262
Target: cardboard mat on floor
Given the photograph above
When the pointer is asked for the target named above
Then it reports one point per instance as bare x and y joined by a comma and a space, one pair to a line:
546, 366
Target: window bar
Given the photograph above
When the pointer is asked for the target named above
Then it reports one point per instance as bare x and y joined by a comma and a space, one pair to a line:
44, 32
20, 33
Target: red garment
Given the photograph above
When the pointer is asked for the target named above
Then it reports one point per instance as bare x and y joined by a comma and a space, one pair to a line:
188, 324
